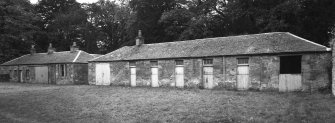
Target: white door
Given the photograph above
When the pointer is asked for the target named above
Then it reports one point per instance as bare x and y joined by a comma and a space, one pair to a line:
41, 74
21, 76
289, 82
180, 76
208, 77
242, 77
133, 76
154, 77
102, 75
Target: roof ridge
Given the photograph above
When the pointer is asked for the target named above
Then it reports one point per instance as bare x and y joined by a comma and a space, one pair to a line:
15, 59
306, 40
74, 60
214, 38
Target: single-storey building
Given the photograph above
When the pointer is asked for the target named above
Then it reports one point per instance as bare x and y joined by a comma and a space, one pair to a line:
67, 67
268, 61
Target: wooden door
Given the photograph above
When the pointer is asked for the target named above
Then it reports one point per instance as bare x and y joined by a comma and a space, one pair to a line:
21, 76
102, 74
180, 76
154, 77
41, 74
208, 77
242, 77
133, 76
289, 82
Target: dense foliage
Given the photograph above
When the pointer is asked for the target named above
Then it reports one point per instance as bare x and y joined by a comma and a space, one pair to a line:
105, 26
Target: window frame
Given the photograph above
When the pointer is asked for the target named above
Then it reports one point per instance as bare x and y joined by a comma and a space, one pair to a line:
210, 62
243, 58
179, 61
27, 74
63, 70
154, 63
132, 64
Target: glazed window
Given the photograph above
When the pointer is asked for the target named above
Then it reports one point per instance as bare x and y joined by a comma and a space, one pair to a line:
208, 61
132, 64
290, 64
154, 63
179, 62
62, 69
15, 73
27, 74
242, 61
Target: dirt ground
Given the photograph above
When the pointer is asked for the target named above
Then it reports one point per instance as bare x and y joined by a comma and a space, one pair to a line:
84, 103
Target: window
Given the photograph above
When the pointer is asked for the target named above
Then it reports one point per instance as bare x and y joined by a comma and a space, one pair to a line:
132, 64
179, 62
62, 69
154, 63
208, 61
15, 73
242, 61
290, 64
27, 74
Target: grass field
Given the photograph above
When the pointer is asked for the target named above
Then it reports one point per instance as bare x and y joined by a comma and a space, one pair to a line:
50, 103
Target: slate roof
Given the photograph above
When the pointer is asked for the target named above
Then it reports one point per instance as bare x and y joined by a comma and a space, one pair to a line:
264, 43
56, 57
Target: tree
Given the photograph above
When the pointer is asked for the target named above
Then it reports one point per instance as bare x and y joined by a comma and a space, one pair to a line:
110, 22
61, 21
17, 28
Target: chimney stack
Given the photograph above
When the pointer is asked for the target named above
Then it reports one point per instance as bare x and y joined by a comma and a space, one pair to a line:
32, 50
74, 47
139, 38
51, 49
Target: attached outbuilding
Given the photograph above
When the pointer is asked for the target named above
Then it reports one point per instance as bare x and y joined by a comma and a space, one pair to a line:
67, 67
277, 61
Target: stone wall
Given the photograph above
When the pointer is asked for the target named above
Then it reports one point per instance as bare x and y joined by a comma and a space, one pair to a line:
91, 73
68, 78
263, 72
80, 74
120, 73
316, 71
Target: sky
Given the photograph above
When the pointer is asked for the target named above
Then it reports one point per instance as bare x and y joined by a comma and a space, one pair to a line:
80, 1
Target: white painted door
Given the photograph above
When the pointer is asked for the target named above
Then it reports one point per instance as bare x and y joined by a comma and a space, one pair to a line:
154, 77
21, 76
180, 76
289, 82
133, 76
242, 77
102, 75
208, 77
41, 74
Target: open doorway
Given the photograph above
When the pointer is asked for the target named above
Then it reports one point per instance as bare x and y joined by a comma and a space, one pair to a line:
290, 73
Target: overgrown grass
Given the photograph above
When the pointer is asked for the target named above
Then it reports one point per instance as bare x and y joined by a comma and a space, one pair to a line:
49, 103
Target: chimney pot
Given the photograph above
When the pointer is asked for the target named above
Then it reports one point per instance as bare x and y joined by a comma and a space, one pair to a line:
139, 38
32, 50
51, 49
74, 47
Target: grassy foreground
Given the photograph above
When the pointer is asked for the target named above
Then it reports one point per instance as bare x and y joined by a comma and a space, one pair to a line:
51, 103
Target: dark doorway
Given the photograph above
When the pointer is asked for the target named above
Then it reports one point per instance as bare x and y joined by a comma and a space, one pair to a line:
290, 64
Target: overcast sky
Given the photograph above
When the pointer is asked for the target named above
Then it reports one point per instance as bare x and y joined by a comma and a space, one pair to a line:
80, 1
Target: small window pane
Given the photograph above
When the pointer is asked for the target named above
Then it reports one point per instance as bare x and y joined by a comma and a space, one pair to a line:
208, 61
27, 74
154, 63
243, 61
63, 70
132, 64
179, 62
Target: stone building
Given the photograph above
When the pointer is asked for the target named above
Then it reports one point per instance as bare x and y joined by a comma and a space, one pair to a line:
67, 67
277, 61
